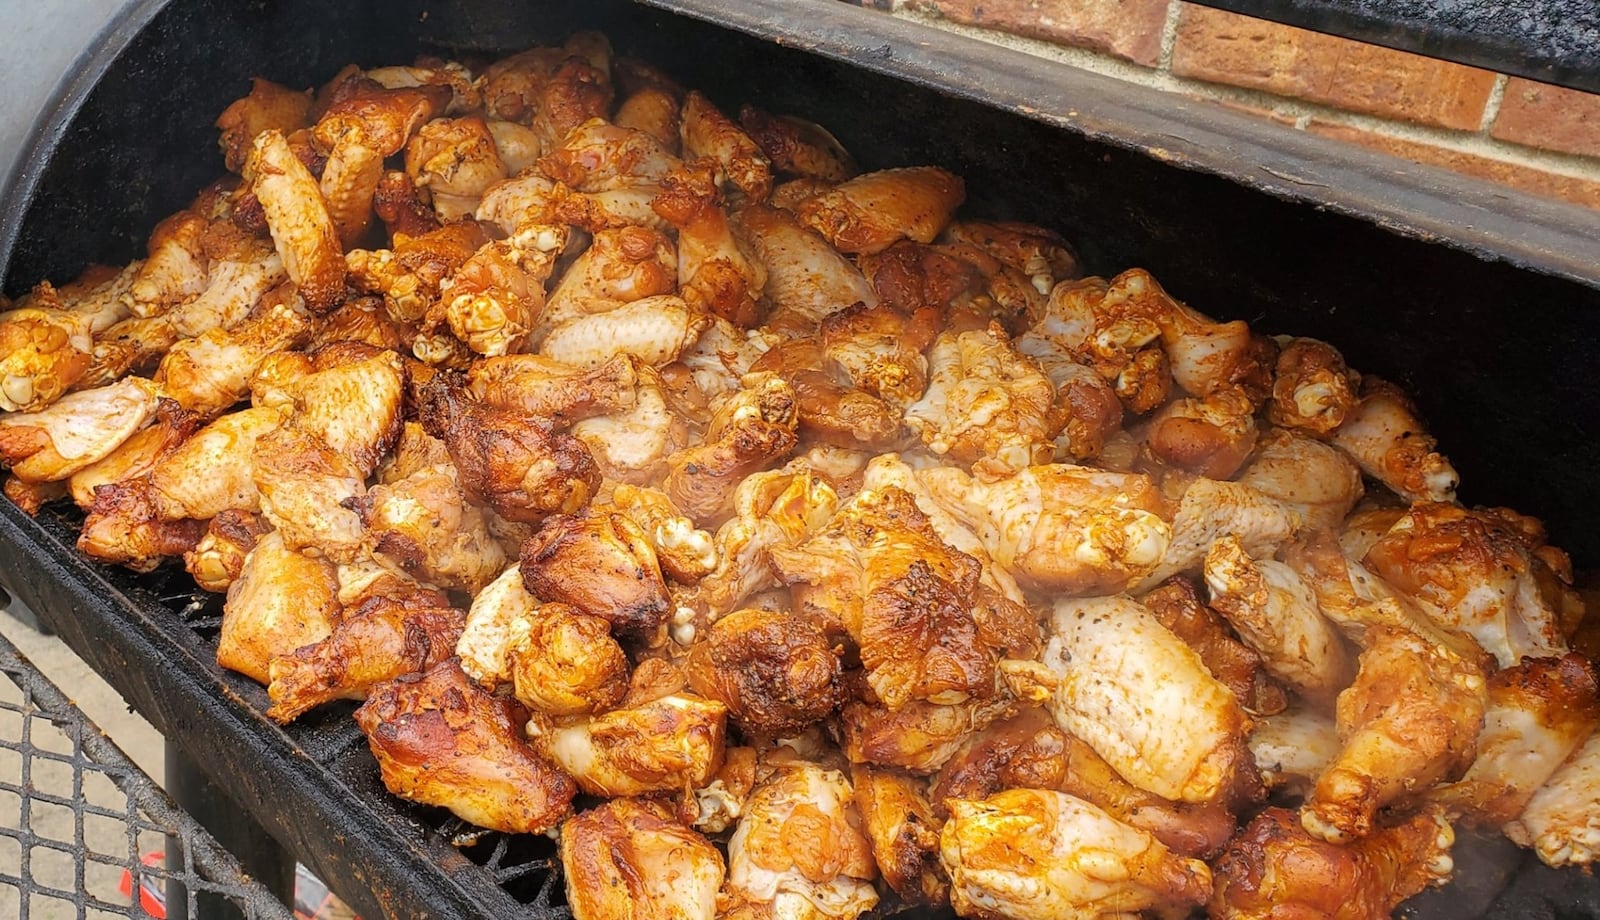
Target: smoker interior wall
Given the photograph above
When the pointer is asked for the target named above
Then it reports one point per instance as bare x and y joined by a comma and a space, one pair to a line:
1499, 358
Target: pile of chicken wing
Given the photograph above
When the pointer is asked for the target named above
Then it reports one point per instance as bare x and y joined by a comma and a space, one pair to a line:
830, 547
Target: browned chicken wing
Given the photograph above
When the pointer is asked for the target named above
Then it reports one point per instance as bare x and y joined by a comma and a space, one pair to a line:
749, 430
870, 212
900, 825
602, 564
305, 234
515, 463
670, 744
281, 601
382, 642
628, 859
439, 740
776, 671
1176, 604
1274, 870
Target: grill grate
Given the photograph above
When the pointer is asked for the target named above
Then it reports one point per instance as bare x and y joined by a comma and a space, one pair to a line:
75, 815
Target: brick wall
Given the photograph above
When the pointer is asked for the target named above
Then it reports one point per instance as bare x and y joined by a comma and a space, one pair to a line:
1530, 136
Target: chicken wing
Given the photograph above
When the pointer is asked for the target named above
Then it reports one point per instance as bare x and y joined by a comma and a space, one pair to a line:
1321, 482
779, 508
565, 663
43, 354
687, 554
717, 273
217, 561
629, 860
901, 827
302, 229
212, 372
1275, 613
1176, 604
456, 159
806, 278
632, 445
655, 330
1294, 747
268, 106
1118, 676
1476, 574
799, 851
1384, 434
776, 671
76, 431
1033, 854
904, 597
439, 740
620, 266
707, 132
1538, 713
656, 112
213, 471
870, 212
1312, 388
176, 268
986, 406
798, 147
671, 744
137, 455
1210, 436
366, 123
1274, 869
281, 601
600, 563
513, 462
1411, 719
424, 525
749, 430
494, 300
1562, 819
1029, 751
309, 493
1210, 509
1063, 528
379, 644
919, 736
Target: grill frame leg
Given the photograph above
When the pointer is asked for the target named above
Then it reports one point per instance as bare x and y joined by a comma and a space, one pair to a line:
259, 854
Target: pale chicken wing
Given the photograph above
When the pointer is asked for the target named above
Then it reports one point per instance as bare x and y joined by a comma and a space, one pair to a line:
304, 233
1063, 528
799, 851
456, 159
620, 266
1116, 677
1033, 854
655, 330
707, 132
268, 106
439, 740
806, 278
1275, 612
1562, 820
986, 406
1176, 603
1539, 712
76, 431
771, 509
1319, 481
1210, 509
1385, 435
1476, 573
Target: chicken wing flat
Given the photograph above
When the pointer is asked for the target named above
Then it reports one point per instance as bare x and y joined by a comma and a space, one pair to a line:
629, 860
1031, 853
1274, 869
670, 744
305, 234
601, 564
281, 601
1176, 604
1116, 675
1317, 480
1476, 574
1562, 820
870, 212
78, 430
900, 825
1539, 712
919, 736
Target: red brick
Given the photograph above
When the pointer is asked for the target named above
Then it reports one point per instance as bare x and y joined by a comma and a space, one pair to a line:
1128, 29
1222, 47
1541, 115
1585, 192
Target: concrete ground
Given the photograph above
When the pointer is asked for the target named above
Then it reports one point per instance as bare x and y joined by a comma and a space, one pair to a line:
104, 837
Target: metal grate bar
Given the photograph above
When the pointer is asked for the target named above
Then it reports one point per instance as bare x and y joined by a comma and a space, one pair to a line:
55, 763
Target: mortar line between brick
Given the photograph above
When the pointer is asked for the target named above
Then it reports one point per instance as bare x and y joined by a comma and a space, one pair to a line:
1491, 106
1169, 35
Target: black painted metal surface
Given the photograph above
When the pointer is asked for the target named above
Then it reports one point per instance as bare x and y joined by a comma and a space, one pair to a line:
1554, 41
1451, 287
